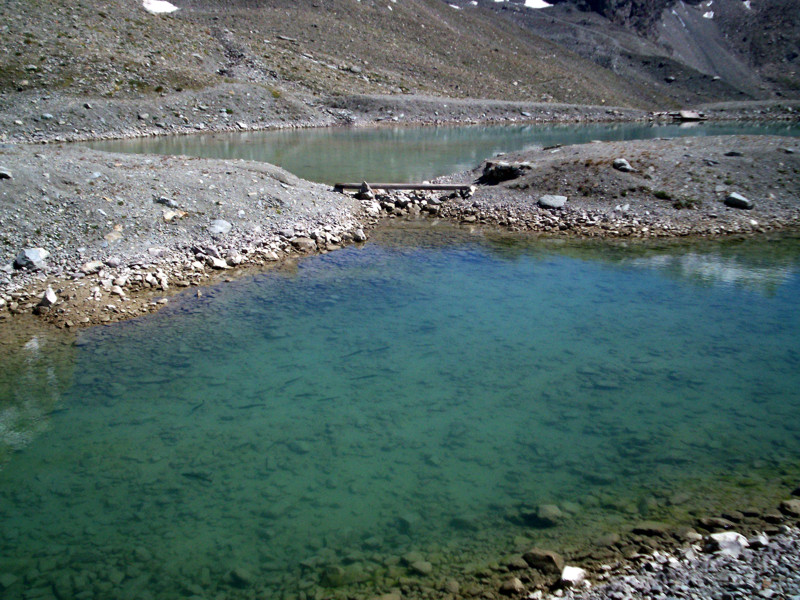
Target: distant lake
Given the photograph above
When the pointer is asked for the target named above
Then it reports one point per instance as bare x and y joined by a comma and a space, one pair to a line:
404, 154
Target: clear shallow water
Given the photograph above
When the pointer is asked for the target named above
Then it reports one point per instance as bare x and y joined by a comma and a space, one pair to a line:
403, 154
422, 394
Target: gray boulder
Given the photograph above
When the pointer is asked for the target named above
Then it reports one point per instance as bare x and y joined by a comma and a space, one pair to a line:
736, 200
620, 164
31, 258
5, 173
497, 172
304, 244
219, 227
365, 192
552, 201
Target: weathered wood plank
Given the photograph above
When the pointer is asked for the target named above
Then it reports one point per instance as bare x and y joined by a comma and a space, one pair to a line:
340, 187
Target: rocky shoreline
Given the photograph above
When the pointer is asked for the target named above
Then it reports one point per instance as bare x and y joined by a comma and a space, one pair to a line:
33, 117
91, 237
748, 554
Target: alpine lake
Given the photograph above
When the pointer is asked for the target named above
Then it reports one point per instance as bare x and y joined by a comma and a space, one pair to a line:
397, 415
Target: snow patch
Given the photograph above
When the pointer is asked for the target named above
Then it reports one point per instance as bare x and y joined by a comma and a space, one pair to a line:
532, 3
454, 6
708, 15
157, 7
747, 5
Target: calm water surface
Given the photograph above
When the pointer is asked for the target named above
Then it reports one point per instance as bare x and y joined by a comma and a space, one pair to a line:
402, 154
300, 432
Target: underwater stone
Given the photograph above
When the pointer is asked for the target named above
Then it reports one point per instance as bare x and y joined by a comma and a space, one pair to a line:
241, 577
423, 567
511, 587
548, 515
607, 540
7, 580
790, 507
546, 561
651, 528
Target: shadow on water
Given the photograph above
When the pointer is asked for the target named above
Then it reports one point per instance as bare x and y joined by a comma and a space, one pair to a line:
399, 411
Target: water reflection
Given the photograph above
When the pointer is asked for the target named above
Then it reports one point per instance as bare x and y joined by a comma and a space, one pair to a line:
37, 367
407, 153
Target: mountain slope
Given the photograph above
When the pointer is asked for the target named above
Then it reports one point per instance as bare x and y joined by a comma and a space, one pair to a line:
304, 49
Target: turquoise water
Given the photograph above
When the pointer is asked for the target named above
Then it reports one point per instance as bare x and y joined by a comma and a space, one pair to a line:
403, 154
297, 434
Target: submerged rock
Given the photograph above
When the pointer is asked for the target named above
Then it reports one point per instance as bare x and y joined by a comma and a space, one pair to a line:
546, 561
511, 587
548, 515
790, 508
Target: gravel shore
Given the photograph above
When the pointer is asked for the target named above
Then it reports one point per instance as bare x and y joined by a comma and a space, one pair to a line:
762, 567
116, 234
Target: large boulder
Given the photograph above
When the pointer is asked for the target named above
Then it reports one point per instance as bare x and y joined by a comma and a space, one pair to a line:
497, 172
736, 200
552, 201
31, 258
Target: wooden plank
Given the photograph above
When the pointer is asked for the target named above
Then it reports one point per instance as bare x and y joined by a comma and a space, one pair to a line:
340, 187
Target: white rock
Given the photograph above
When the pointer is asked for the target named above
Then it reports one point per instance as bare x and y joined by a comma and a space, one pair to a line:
158, 6
219, 227
573, 576
728, 543
49, 298
216, 263
621, 164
